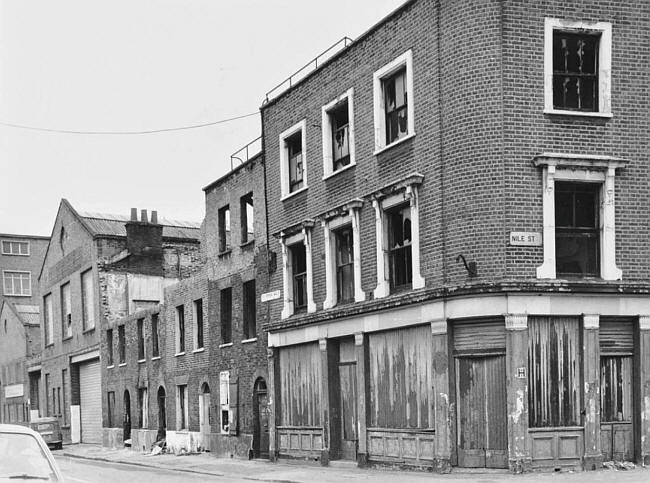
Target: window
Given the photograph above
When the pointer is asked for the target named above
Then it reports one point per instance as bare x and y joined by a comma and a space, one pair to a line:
64, 376
577, 64
299, 276
15, 247
88, 300
224, 228
576, 229
554, 367
293, 160
344, 265
224, 401
182, 414
393, 101
143, 406
226, 315
111, 408
49, 319
155, 352
66, 311
250, 311
399, 247
109, 347
247, 214
180, 329
198, 324
140, 328
121, 344
17, 283
338, 134
48, 405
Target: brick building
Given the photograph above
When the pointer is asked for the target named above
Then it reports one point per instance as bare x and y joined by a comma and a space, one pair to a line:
99, 268
21, 257
457, 205
195, 366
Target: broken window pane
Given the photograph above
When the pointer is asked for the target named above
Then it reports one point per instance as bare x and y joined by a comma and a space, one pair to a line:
294, 148
575, 71
399, 246
344, 265
299, 269
395, 106
340, 136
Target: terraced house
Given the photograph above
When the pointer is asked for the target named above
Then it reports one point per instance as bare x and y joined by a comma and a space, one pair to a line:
458, 205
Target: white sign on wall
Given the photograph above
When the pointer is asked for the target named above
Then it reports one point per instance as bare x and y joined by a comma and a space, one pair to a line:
270, 296
15, 390
525, 239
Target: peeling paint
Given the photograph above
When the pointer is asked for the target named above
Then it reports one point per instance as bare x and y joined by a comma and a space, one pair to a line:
515, 416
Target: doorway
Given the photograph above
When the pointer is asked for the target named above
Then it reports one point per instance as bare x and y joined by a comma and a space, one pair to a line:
162, 414
482, 415
126, 421
261, 415
616, 396
204, 412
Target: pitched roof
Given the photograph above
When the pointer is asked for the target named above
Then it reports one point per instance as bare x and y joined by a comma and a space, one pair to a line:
27, 314
113, 225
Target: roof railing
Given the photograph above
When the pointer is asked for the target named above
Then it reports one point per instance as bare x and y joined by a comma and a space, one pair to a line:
309, 67
246, 153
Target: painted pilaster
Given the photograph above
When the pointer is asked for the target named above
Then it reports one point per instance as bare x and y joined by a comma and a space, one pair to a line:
547, 269
593, 457
412, 192
359, 294
644, 358
325, 402
273, 401
311, 305
383, 287
440, 356
330, 277
361, 349
519, 459
609, 269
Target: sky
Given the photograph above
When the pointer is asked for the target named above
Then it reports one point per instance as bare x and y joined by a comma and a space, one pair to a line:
142, 65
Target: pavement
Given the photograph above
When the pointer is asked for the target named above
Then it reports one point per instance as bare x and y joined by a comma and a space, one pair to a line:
289, 471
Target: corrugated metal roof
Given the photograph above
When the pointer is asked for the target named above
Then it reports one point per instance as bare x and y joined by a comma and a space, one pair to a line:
113, 225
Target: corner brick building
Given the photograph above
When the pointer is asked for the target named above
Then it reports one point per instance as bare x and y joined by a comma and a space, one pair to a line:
195, 367
457, 204
99, 268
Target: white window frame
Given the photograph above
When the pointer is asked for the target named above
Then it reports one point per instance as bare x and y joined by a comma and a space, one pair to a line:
224, 401
195, 330
11, 243
185, 414
604, 64
284, 159
49, 322
587, 169
326, 123
88, 299
65, 291
404, 60
287, 271
329, 229
13, 293
408, 195
177, 331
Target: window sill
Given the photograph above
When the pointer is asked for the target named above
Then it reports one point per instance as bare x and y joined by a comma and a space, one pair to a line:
51, 344
344, 168
17, 295
247, 244
224, 253
89, 331
15, 254
293, 193
560, 112
111, 366
228, 344
249, 341
140, 361
157, 358
123, 364
178, 354
66, 339
196, 351
395, 143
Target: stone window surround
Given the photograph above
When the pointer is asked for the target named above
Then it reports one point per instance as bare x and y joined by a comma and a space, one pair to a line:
347, 214
604, 64
402, 191
286, 241
326, 123
284, 159
404, 60
580, 168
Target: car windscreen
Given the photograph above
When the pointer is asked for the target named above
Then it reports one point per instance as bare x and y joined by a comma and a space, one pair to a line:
21, 458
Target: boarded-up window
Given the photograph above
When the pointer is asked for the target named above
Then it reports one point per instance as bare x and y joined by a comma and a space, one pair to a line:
616, 388
401, 392
300, 385
554, 371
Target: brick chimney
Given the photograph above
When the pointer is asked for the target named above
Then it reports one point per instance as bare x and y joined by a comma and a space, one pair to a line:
144, 241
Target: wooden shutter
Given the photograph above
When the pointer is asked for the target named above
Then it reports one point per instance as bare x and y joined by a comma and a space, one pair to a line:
476, 336
234, 404
616, 336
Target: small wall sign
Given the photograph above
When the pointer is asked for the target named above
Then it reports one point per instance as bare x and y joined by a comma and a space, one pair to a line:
270, 296
525, 239
521, 373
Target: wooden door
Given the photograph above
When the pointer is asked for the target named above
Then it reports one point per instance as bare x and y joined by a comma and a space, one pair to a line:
348, 401
204, 415
482, 420
616, 429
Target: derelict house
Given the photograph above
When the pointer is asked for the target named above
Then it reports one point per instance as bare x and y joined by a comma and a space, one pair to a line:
457, 201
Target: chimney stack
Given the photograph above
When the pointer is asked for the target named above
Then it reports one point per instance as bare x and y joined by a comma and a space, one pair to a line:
143, 216
134, 214
154, 217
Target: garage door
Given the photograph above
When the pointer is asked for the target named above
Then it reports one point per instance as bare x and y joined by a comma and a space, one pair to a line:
91, 402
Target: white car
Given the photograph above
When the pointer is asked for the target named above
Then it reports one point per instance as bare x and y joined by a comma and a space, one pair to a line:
25, 456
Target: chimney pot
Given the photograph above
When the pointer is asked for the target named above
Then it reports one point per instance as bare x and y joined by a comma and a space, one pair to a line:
143, 216
154, 217
134, 214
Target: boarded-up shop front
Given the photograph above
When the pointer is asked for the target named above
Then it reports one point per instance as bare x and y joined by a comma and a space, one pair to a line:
401, 415
554, 397
480, 381
300, 429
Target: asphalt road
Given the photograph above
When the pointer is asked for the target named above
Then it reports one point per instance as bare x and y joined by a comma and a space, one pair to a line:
85, 471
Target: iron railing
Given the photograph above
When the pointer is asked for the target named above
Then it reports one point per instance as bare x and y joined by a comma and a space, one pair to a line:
247, 152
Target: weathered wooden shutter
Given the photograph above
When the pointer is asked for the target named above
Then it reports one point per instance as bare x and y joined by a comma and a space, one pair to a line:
234, 404
616, 336
476, 336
